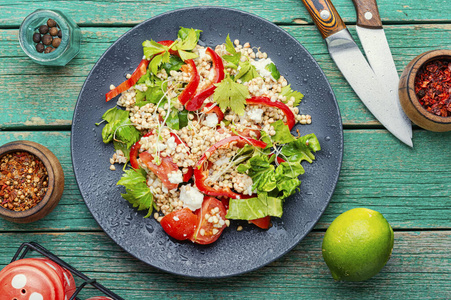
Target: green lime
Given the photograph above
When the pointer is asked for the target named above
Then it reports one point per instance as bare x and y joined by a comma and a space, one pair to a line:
357, 244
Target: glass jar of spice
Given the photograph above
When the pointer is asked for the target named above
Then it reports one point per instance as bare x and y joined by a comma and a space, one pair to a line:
68, 41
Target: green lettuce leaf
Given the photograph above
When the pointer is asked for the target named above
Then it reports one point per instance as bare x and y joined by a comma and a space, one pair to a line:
137, 191
255, 208
302, 149
283, 134
260, 169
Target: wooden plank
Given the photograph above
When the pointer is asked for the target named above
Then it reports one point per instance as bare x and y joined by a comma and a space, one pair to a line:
104, 12
419, 268
39, 101
409, 186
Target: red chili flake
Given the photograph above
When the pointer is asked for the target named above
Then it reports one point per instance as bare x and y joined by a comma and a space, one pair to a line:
23, 180
433, 87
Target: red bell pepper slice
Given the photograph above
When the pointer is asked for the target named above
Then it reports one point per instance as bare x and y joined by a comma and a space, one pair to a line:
139, 72
168, 43
263, 223
212, 108
201, 173
267, 102
191, 88
198, 99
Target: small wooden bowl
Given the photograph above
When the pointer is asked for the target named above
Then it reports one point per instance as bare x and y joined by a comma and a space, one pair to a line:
409, 101
55, 182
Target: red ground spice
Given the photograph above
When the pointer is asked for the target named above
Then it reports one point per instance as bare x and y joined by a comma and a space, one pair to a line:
433, 87
23, 181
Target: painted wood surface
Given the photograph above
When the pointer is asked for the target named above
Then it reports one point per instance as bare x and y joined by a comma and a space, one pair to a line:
420, 267
128, 12
31, 97
409, 187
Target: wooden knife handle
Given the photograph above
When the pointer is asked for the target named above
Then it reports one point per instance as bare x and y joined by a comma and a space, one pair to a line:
367, 14
325, 16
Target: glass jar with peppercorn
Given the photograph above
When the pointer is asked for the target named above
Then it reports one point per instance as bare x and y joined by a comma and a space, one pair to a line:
49, 37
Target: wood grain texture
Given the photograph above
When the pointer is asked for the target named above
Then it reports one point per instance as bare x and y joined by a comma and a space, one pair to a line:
410, 187
325, 17
367, 14
27, 90
419, 268
126, 12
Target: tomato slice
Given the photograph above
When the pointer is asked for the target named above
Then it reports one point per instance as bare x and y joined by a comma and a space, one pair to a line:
180, 224
262, 222
166, 167
208, 232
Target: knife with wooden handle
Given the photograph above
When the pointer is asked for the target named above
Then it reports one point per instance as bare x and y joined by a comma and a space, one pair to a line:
372, 37
354, 67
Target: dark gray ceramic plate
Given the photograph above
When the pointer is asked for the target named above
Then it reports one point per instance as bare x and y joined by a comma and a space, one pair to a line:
235, 252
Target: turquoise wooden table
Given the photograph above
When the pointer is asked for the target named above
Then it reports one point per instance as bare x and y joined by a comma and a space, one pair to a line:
410, 187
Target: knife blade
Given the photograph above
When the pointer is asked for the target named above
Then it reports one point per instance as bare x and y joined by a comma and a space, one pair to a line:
354, 67
374, 42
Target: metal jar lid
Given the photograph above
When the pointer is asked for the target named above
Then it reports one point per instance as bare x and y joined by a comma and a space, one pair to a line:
35, 279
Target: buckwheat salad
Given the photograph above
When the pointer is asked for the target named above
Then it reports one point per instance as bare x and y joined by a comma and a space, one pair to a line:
206, 133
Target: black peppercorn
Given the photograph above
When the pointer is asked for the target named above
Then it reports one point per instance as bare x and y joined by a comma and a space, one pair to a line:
40, 47
60, 34
36, 37
47, 39
56, 42
53, 31
48, 49
51, 23
43, 29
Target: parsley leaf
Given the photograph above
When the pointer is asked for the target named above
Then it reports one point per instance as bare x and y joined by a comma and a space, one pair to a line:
246, 72
234, 58
187, 41
157, 61
184, 33
177, 119
119, 127
231, 94
187, 55
288, 92
151, 48
137, 191
273, 69
174, 64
